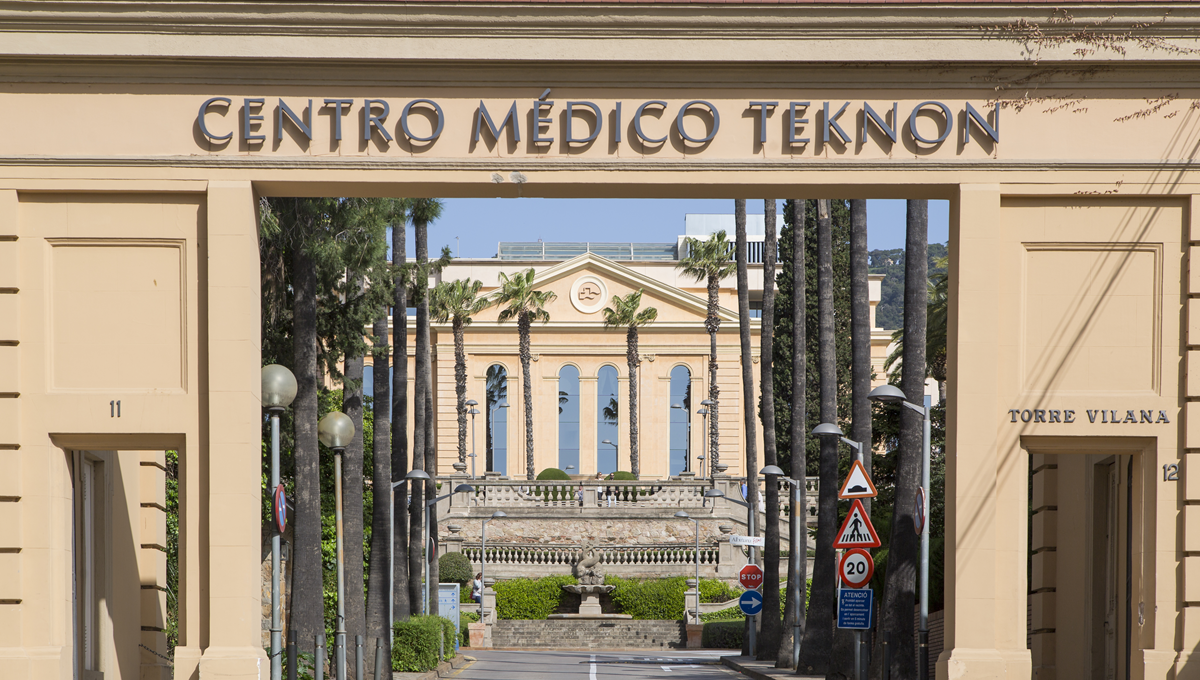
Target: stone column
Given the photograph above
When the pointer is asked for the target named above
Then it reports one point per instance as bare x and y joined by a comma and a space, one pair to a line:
234, 447
1190, 615
985, 628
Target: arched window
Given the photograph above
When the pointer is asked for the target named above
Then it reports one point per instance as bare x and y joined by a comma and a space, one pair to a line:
681, 419
608, 417
568, 419
496, 414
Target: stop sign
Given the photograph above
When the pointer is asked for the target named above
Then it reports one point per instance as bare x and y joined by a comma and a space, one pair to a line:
751, 577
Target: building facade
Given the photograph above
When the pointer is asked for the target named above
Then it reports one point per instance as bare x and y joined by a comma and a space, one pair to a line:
138, 138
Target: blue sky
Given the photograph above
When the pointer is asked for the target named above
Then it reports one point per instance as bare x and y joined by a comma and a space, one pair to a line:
480, 223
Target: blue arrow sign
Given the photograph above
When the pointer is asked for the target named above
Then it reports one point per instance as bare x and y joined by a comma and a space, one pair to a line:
750, 602
854, 608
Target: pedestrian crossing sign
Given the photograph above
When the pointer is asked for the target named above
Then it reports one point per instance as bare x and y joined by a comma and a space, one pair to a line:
856, 531
858, 483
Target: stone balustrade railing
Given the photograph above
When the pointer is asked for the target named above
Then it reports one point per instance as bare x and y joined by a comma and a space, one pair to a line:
523, 554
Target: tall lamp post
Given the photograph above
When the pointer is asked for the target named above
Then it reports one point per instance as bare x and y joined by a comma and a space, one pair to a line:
830, 430
890, 394
704, 449
278, 391
687, 456
503, 403
483, 557
715, 493
706, 405
474, 412
683, 515
336, 430
616, 452
794, 527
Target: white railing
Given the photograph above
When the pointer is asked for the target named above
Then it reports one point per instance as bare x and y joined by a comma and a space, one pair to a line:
592, 493
615, 555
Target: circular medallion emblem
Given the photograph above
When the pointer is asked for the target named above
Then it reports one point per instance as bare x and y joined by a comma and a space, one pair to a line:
589, 294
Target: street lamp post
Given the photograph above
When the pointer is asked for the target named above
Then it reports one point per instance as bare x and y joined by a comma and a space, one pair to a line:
336, 430
503, 403
798, 549
704, 449
687, 456
890, 394
717, 493
474, 412
424, 476
278, 391
616, 452
831, 430
483, 557
683, 515
707, 405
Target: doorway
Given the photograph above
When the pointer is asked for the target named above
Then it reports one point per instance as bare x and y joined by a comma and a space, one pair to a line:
1083, 574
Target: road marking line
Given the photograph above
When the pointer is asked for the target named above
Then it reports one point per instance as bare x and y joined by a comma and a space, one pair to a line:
592, 672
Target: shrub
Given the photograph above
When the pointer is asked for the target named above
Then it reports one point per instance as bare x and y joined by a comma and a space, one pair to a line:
522, 598
723, 635
657, 599
716, 590
553, 474
455, 567
415, 648
622, 476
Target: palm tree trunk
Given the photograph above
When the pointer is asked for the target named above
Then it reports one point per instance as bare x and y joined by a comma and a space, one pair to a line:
379, 581
713, 323
632, 360
899, 590
523, 323
352, 500
307, 605
860, 334
769, 644
743, 293
421, 443
460, 389
401, 588
796, 433
818, 637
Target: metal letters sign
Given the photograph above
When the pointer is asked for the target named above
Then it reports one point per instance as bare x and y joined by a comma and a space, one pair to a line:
857, 531
854, 608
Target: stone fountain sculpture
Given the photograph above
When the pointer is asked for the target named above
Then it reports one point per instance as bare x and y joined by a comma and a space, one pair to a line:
590, 587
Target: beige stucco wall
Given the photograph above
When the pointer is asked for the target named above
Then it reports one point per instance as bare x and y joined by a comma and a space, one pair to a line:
129, 269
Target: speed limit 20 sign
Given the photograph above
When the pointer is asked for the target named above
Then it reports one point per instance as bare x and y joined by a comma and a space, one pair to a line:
856, 568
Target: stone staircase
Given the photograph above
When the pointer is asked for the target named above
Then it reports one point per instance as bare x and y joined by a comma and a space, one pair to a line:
588, 634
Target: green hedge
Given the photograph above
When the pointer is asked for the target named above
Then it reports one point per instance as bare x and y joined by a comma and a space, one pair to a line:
522, 598
723, 635
716, 590
455, 567
734, 613
415, 648
656, 599
553, 474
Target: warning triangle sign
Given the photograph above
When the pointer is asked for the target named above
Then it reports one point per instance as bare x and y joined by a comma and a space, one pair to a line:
856, 531
858, 484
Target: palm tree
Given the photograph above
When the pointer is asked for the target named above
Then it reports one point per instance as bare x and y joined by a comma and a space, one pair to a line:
902, 551
424, 211
708, 261
457, 301
624, 312
860, 334
796, 439
815, 652
937, 316
401, 550
743, 294
526, 305
769, 648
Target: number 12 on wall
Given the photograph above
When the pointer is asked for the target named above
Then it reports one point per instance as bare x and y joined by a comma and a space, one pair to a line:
114, 409
1171, 472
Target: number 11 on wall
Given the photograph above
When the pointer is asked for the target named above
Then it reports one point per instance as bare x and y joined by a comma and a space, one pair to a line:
114, 409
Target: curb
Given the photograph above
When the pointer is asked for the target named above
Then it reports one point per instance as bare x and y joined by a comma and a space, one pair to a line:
761, 670
444, 670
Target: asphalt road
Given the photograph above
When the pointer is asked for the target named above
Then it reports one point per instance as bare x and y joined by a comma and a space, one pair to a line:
555, 665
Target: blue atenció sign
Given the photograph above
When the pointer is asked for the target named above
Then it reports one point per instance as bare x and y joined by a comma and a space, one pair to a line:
750, 602
854, 608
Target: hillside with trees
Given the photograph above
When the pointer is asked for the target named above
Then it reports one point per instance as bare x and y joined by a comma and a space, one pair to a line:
889, 314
